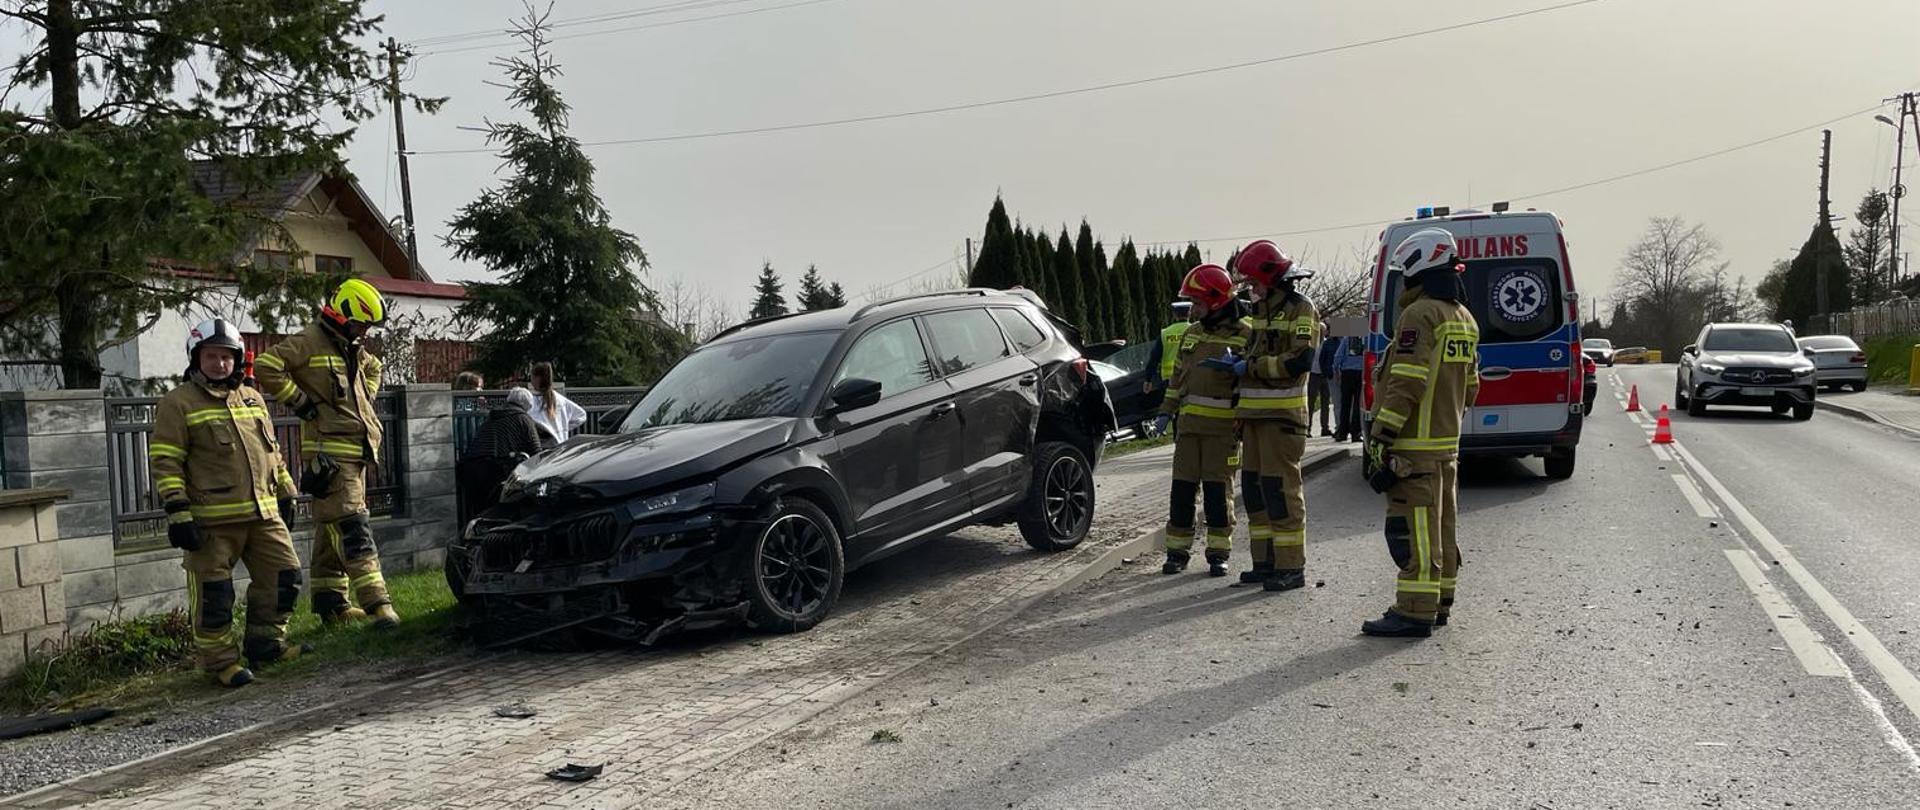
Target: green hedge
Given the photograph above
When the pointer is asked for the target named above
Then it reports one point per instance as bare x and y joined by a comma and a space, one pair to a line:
1888, 358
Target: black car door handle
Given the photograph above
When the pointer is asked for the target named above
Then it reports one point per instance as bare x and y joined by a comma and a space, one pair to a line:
1030, 379
942, 409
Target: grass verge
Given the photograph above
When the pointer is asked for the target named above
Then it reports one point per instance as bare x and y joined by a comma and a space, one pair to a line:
147, 660
1889, 358
1129, 446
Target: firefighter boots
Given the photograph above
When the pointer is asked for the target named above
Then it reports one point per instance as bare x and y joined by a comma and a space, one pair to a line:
384, 618
1176, 562
233, 676
1394, 625
1285, 579
1262, 570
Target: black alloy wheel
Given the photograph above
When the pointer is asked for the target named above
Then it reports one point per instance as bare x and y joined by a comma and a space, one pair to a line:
1059, 507
798, 569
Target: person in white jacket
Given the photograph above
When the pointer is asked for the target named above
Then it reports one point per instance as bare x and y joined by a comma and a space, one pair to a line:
553, 412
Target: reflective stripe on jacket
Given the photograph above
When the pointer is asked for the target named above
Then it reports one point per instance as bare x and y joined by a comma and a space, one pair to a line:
311, 367
1429, 376
1203, 397
1171, 342
1282, 330
214, 449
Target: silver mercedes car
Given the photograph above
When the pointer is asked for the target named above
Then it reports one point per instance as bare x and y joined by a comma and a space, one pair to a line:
1745, 364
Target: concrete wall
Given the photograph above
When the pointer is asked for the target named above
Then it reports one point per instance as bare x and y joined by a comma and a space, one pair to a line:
32, 604
59, 439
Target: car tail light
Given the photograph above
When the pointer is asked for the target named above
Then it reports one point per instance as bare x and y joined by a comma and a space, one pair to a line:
1080, 367
1366, 380
1858, 357
1587, 365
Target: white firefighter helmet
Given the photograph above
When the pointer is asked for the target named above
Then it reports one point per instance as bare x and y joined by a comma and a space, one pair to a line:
1425, 250
216, 332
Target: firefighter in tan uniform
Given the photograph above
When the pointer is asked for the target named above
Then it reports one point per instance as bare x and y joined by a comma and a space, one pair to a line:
1429, 377
1201, 393
1273, 413
330, 380
218, 471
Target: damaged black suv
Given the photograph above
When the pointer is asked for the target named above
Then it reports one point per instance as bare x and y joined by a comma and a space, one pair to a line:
787, 451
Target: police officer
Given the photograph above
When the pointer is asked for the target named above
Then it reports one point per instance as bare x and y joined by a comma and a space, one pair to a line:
1273, 412
1166, 351
1430, 376
217, 470
329, 379
1201, 393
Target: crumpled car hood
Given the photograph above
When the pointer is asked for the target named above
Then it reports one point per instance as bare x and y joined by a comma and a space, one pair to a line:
656, 458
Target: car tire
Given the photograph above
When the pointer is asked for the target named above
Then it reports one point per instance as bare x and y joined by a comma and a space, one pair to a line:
1560, 464
795, 569
1802, 412
1680, 398
1058, 509
1857, 387
1696, 406
1780, 410
456, 572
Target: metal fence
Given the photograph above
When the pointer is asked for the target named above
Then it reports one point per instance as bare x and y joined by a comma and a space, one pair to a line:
139, 523
1898, 317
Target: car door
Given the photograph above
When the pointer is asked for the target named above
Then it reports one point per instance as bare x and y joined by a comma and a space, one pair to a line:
998, 392
898, 459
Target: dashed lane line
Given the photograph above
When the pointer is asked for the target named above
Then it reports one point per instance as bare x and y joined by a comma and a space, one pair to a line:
1808, 646
1699, 502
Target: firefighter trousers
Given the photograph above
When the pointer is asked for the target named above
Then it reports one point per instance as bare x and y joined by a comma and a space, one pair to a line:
1272, 452
1420, 536
1201, 465
345, 559
274, 570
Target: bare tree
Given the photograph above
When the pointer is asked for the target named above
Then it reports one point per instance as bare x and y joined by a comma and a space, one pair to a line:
1662, 278
1340, 287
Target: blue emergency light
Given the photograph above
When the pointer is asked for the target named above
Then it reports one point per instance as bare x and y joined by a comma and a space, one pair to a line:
1423, 212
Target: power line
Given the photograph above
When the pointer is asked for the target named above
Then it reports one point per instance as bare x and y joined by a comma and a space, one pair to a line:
1535, 195
644, 11
649, 26
940, 265
1098, 88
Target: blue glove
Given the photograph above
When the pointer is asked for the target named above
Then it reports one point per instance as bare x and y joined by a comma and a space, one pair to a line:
1161, 423
1228, 363
1240, 367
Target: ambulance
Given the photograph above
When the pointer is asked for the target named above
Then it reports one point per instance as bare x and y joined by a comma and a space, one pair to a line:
1519, 285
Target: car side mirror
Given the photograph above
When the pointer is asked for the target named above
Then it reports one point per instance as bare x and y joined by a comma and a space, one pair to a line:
1690, 350
1807, 352
852, 394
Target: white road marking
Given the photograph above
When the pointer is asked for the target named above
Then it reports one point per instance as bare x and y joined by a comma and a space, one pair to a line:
1700, 505
1899, 680
1806, 645
1661, 453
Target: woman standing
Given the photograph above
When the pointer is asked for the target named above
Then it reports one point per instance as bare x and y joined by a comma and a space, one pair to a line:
555, 414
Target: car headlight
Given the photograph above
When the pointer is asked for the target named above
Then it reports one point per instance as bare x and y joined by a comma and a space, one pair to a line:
1712, 368
681, 500
1803, 371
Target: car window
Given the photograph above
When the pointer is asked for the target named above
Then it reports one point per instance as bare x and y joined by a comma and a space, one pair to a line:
1513, 300
1106, 371
965, 338
1132, 358
748, 378
1024, 334
1597, 343
1749, 340
1827, 343
891, 355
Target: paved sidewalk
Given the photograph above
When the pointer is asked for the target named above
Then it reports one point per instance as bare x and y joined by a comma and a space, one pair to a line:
1885, 406
654, 718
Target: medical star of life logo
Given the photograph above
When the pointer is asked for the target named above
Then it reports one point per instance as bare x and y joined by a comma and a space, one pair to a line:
1520, 296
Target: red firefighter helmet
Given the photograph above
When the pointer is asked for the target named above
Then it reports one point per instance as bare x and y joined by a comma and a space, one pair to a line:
1209, 285
1263, 263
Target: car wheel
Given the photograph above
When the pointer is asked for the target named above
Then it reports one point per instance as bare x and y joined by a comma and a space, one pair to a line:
1780, 410
1696, 406
1857, 387
1560, 464
456, 572
797, 567
1059, 507
1679, 394
1802, 412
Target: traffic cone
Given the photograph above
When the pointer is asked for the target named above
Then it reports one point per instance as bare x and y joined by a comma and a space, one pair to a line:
1662, 428
1633, 399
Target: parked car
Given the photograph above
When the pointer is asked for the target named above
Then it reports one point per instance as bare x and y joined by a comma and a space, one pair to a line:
1838, 362
1592, 385
1599, 349
1126, 374
786, 452
1635, 355
1745, 364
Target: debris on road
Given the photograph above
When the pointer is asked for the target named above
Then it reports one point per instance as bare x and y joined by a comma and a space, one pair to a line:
884, 736
517, 711
576, 773
15, 728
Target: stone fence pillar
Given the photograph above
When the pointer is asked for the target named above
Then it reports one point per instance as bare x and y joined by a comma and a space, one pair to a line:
59, 439
419, 535
33, 609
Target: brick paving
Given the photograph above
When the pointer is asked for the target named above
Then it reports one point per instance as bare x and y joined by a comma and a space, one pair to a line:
653, 717
1899, 409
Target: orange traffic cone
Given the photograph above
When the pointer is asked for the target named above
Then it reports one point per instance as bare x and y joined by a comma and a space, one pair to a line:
1662, 428
1633, 399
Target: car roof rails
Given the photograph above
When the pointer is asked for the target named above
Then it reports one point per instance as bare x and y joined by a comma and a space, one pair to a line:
979, 291
755, 322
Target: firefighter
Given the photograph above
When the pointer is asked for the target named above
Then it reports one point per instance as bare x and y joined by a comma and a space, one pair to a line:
1274, 376
1431, 376
329, 379
228, 498
1201, 393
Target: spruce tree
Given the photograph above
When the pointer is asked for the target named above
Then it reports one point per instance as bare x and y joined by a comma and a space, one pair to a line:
1032, 278
1110, 309
570, 288
997, 265
836, 297
1042, 253
1126, 267
1093, 297
1066, 271
813, 292
1800, 301
768, 300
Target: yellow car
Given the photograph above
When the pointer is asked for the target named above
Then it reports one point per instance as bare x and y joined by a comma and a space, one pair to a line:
1631, 354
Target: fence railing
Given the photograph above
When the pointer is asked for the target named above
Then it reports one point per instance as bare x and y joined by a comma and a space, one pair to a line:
1900, 316
139, 522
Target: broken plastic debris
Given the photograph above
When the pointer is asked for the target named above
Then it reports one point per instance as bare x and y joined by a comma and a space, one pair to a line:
516, 711
576, 773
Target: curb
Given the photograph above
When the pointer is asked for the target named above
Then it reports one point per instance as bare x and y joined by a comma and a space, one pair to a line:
1150, 540
1864, 415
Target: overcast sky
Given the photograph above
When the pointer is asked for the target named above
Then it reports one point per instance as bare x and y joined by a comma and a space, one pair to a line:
1360, 135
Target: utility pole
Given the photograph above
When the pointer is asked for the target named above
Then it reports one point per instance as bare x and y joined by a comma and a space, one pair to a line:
969, 257
1899, 190
400, 148
1826, 221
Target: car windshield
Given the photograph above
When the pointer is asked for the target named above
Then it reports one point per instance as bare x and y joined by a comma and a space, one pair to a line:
1106, 371
1749, 340
1597, 343
1828, 343
739, 379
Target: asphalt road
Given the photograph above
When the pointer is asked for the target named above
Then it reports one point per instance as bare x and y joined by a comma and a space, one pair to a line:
1722, 624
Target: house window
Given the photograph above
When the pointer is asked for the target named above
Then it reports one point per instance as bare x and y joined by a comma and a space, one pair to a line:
332, 265
272, 260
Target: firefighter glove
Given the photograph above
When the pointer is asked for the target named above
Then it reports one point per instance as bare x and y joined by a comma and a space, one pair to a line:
1161, 423
317, 476
286, 511
307, 411
183, 532
1299, 365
